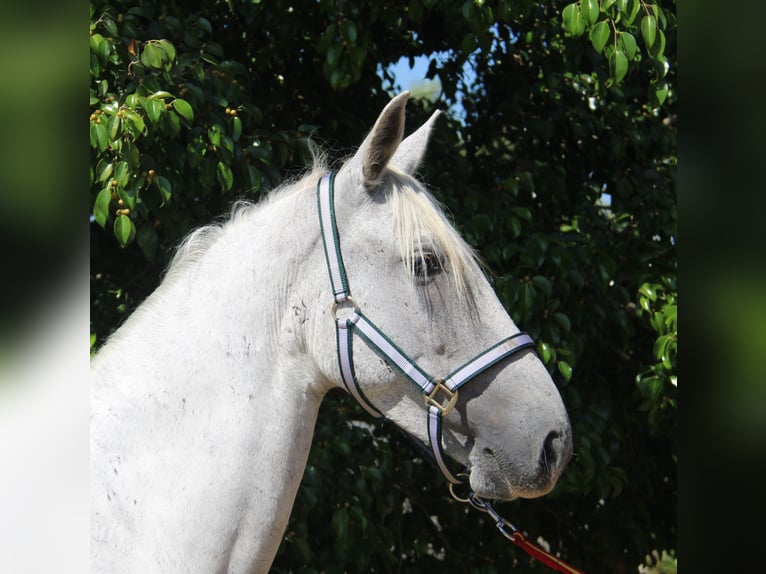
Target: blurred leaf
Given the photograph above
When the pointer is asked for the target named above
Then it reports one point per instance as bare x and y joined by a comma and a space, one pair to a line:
148, 241
543, 284
565, 369
236, 128
165, 188
225, 176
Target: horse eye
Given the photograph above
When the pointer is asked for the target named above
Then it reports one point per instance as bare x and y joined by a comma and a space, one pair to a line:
426, 265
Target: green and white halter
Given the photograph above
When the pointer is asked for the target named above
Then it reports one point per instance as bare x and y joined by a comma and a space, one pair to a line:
440, 394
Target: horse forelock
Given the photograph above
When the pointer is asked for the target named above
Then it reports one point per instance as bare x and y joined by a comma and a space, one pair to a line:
422, 227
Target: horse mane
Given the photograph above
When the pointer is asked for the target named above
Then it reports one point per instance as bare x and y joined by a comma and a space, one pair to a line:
416, 214
199, 241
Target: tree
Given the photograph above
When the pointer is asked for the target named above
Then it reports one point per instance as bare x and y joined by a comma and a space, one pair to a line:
560, 170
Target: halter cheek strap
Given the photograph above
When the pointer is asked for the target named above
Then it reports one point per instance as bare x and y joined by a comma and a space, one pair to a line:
439, 394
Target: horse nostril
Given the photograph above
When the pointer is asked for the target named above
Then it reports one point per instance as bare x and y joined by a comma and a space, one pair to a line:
553, 455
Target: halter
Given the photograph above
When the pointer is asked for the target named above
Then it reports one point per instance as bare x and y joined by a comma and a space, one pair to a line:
440, 394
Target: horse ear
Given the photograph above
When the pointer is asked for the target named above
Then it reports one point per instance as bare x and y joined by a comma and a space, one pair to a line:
409, 155
379, 146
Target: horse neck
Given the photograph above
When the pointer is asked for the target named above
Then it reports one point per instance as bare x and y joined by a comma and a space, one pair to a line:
216, 364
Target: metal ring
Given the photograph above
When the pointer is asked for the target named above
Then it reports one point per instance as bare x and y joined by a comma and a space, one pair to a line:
452, 488
349, 300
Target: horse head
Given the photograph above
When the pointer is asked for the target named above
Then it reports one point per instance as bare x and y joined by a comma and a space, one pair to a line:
412, 305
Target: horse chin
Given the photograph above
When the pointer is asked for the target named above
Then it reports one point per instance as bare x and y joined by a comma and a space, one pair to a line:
491, 479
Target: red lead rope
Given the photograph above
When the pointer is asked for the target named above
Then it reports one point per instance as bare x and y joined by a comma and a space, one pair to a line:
514, 535
545, 557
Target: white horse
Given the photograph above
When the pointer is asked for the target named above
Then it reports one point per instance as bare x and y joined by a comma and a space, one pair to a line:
204, 402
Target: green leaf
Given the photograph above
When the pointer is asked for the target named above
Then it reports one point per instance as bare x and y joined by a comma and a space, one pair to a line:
95, 42
128, 195
658, 93
256, 178
169, 49
628, 44
154, 109
515, 225
183, 108
152, 56
236, 128
542, 283
658, 48
110, 26
618, 66
631, 12
101, 206
105, 171
124, 230
662, 66
563, 321
164, 186
340, 526
590, 11
122, 173
136, 120
333, 53
649, 30
565, 369
214, 134
303, 549
148, 240
545, 352
225, 177
573, 21
113, 126
526, 296
348, 30
160, 94
649, 290
98, 136
599, 35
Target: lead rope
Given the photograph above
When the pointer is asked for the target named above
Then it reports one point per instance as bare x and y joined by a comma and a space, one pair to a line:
507, 529
436, 392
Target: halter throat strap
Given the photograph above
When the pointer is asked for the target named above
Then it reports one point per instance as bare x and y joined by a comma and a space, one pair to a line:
440, 394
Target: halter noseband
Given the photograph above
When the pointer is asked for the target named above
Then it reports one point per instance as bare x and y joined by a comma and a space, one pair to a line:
440, 394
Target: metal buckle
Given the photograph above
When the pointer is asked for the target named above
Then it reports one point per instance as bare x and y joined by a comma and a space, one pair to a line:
432, 400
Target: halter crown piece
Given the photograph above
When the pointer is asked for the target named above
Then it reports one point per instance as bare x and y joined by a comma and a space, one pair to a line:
440, 394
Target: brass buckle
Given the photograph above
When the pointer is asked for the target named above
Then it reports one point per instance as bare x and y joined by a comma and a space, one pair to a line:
432, 400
